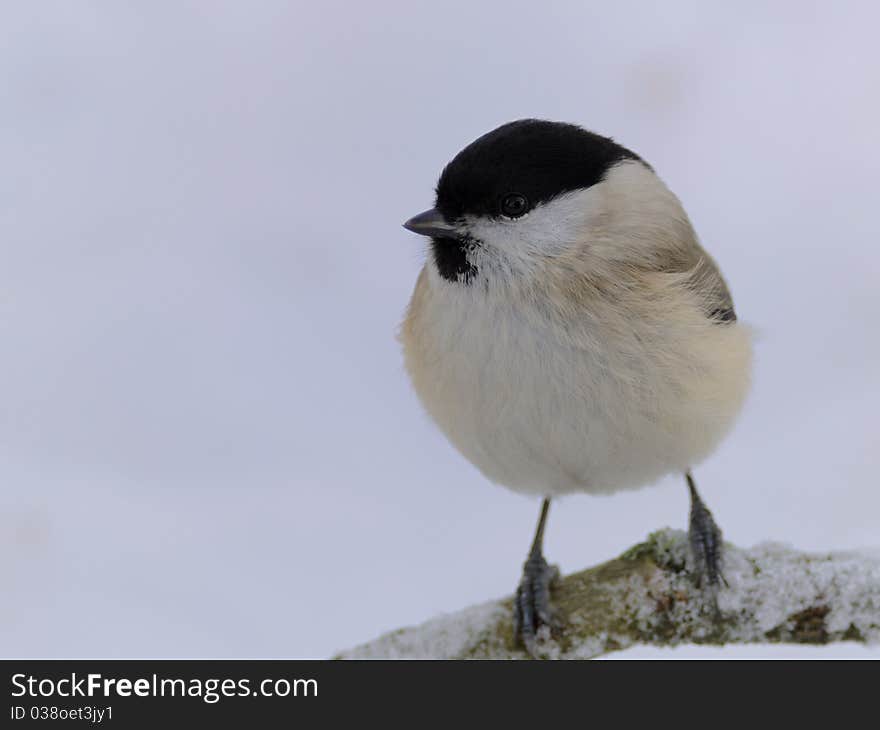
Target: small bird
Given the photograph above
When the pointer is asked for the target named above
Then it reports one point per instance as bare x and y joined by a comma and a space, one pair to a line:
568, 332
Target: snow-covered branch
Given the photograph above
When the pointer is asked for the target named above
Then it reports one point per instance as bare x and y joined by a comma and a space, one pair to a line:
774, 594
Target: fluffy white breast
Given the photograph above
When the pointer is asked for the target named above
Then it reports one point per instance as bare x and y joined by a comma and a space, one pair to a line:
567, 367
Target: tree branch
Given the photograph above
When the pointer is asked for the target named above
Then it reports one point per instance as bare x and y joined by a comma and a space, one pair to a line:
646, 596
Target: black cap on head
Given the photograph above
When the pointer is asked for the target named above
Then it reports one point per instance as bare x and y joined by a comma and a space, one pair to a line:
530, 157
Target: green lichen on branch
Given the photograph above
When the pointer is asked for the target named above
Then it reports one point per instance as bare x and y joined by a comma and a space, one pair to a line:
647, 596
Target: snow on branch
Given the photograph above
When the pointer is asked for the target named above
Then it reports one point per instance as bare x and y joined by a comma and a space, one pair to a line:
646, 596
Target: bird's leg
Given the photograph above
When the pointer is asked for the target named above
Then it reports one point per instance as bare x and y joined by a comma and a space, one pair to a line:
706, 545
533, 614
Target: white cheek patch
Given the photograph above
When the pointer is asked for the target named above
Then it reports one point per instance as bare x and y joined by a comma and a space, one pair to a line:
547, 229
628, 217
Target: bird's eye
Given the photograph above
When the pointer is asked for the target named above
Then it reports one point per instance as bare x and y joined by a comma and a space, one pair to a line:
514, 205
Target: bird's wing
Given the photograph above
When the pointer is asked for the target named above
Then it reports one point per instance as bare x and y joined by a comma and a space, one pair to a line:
697, 271
706, 280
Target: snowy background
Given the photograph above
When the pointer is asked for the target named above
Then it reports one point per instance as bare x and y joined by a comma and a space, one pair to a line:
208, 446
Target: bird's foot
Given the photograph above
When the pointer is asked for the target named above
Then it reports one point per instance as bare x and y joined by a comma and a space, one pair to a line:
534, 618
706, 550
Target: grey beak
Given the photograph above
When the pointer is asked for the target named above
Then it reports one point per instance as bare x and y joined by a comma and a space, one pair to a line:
431, 223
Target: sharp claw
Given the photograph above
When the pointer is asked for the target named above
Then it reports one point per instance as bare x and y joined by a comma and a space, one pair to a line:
530, 644
544, 616
532, 609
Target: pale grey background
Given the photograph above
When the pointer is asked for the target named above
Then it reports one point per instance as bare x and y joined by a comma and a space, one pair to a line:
208, 446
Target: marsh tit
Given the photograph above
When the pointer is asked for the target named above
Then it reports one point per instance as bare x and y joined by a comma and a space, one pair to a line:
568, 332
